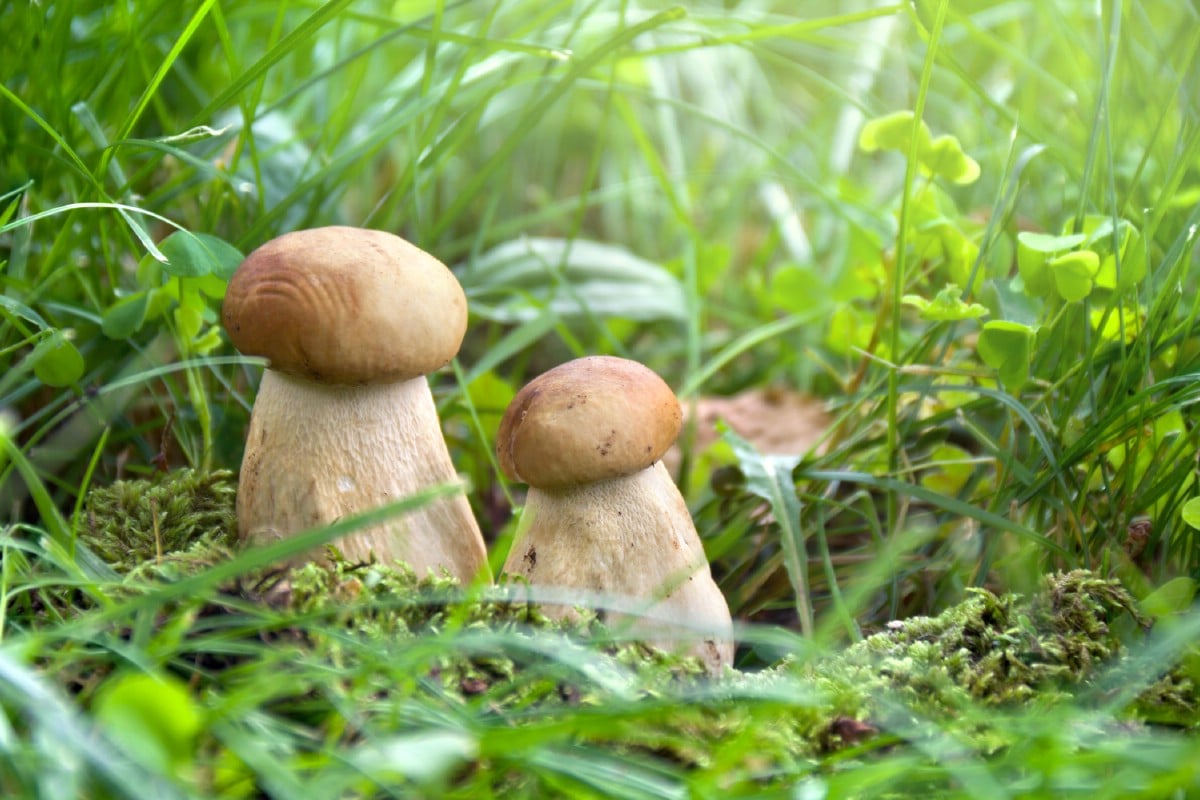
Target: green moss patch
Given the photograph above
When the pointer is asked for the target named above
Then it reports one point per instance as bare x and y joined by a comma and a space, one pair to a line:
348, 646
137, 522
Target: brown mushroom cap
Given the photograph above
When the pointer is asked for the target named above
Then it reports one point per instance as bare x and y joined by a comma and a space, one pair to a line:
346, 306
587, 420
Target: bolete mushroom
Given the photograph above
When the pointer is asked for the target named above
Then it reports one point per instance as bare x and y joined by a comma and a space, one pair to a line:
350, 321
602, 513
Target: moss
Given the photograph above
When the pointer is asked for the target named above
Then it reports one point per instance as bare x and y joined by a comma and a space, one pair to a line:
1001, 649
389, 602
186, 520
992, 651
507, 659
137, 522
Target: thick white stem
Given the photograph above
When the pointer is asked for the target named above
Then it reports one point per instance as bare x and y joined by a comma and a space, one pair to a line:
316, 453
630, 544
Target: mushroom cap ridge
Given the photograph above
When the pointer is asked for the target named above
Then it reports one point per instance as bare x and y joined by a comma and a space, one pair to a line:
587, 420
345, 305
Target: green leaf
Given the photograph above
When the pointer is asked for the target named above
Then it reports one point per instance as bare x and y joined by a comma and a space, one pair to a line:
210, 341
798, 289
1005, 347
1033, 251
154, 717
1116, 325
10, 210
1073, 273
1048, 243
515, 281
770, 478
1172, 597
712, 264
56, 362
948, 306
7, 423
849, 327
1130, 249
1007, 299
19, 309
942, 156
149, 272
212, 286
945, 157
1031, 266
893, 132
162, 298
952, 468
860, 282
189, 315
490, 394
1191, 512
188, 321
960, 253
936, 237
125, 317
191, 255
423, 757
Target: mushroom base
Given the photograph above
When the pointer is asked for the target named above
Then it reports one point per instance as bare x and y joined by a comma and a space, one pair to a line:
628, 547
317, 453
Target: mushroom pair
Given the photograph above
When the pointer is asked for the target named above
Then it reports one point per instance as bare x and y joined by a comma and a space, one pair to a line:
351, 321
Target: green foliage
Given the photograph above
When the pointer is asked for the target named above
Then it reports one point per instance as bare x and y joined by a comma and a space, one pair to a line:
1034, 250
360, 677
999, 650
942, 156
154, 719
134, 523
194, 255
947, 306
1191, 512
1006, 347
520, 280
56, 362
195, 272
1173, 597
770, 479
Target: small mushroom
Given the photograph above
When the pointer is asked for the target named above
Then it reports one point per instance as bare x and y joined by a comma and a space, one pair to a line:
351, 321
602, 513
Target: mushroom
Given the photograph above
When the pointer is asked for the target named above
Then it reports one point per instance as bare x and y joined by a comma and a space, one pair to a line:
602, 513
350, 321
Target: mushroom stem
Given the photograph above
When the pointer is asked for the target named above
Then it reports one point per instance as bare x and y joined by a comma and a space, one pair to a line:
327, 451
630, 540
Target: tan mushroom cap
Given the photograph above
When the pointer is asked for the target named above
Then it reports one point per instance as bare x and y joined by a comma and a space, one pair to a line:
345, 305
587, 420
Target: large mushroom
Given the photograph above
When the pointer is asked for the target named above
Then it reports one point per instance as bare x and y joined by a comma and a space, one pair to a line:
350, 321
602, 513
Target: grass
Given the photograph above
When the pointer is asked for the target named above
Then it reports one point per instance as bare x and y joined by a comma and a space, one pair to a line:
682, 185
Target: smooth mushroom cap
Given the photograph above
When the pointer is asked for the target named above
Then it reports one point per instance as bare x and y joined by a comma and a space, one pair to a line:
345, 305
587, 420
